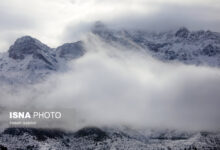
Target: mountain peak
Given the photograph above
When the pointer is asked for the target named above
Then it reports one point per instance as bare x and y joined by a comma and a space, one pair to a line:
24, 46
25, 38
99, 25
182, 32
70, 51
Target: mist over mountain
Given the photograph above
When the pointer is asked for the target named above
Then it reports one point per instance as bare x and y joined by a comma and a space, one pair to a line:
127, 88
28, 60
123, 75
33, 60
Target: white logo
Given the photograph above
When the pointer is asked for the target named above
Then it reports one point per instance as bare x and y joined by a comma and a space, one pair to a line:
37, 115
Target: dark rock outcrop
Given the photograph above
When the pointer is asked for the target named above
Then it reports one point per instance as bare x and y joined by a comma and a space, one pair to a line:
182, 32
93, 133
25, 46
70, 51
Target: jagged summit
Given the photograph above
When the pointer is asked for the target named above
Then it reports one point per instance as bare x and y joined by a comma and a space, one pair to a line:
70, 51
30, 58
182, 32
98, 25
26, 45
190, 47
26, 39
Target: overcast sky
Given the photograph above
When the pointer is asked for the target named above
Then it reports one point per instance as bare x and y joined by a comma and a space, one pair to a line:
51, 21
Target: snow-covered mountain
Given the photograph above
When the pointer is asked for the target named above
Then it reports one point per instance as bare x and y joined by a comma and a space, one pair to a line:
190, 47
28, 60
106, 139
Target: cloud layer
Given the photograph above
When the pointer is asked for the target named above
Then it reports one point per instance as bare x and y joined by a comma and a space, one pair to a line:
111, 86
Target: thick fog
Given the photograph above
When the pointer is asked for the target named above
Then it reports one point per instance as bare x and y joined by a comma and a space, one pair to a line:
113, 86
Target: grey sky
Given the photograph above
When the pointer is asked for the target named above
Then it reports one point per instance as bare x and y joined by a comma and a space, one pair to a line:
52, 21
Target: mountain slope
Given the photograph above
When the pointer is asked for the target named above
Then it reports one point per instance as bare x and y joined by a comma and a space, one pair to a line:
106, 139
29, 61
190, 47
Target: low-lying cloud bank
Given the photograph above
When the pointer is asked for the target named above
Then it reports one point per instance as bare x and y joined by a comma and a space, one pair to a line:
113, 86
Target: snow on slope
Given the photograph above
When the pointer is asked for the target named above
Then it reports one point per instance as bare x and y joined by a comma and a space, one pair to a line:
196, 47
29, 61
106, 139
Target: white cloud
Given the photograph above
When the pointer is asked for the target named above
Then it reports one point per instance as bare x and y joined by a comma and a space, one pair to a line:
108, 86
111, 86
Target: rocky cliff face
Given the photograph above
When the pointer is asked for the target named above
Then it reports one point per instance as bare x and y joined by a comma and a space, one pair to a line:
28, 60
70, 51
190, 47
